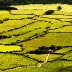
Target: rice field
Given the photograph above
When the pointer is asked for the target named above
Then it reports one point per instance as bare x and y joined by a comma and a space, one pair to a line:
31, 41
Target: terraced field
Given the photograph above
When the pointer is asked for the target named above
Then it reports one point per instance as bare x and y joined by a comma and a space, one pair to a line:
31, 41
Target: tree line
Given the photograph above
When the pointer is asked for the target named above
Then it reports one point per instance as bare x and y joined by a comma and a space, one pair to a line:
24, 2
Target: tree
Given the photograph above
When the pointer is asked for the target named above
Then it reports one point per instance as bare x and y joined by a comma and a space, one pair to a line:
5, 3
49, 12
59, 8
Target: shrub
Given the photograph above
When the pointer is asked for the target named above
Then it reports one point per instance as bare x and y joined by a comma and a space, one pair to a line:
2, 36
45, 50
52, 47
13, 43
49, 12
1, 21
7, 8
59, 8
6, 19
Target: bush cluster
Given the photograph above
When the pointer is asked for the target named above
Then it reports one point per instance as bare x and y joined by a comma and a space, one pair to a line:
49, 12
7, 8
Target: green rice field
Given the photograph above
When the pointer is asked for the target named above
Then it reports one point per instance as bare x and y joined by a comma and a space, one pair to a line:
31, 41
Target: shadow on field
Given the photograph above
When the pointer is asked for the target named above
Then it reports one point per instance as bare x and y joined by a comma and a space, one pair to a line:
7, 8
66, 69
45, 50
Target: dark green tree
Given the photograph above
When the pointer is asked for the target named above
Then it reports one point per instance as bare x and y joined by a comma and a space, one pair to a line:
59, 8
4, 3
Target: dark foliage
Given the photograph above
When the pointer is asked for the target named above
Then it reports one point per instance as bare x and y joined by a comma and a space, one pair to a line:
5, 3
52, 47
13, 43
59, 8
2, 36
58, 47
49, 12
65, 69
7, 8
1, 21
45, 50
6, 19
24, 2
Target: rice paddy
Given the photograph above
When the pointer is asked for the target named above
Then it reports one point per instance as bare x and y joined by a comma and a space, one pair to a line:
28, 38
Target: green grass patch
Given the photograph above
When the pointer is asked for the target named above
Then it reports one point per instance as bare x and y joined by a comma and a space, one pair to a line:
63, 50
6, 48
40, 57
12, 60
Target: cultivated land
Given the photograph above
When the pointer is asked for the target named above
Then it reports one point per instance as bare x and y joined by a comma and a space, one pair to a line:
31, 41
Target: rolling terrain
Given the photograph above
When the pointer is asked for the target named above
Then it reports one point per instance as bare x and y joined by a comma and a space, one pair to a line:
31, 41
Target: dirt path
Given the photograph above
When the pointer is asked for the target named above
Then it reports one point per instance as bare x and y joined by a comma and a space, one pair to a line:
40, 64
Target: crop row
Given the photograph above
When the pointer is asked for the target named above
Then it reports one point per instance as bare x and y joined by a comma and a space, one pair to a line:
14, 24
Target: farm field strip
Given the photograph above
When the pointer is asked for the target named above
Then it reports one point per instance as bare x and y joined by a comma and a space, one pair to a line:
55, 28
57, 16
63, 50
68, 56
7, 18
26, 12
30, 30
17, 36
53, 19
33, 64
10, 48
66, 20
38, 12
62, 13
15, 16
14, 61
50, 58
20, 25
62, 29
21, 37
47, 40
53, 25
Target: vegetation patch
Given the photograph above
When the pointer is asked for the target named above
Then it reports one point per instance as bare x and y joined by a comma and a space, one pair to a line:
5, 48
66, 69
49, 12
36, 38
7, 8
45, 50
